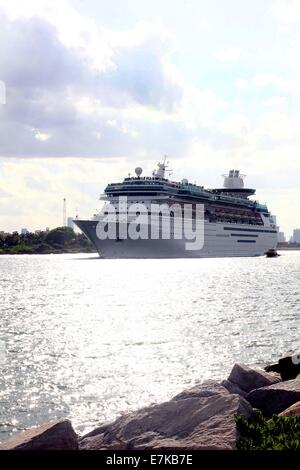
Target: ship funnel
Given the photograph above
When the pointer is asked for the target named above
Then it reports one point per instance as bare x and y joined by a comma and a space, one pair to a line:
234, 180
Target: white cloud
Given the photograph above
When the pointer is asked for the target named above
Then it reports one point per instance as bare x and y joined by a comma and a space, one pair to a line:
235, 124
275, 101
58, 85
204, 26
281, 84
199, 107
242, 84
74, 30
229, 54
41, 136
287, 11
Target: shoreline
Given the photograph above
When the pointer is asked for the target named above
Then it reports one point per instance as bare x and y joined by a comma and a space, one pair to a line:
88, 251
208, 416
53, 252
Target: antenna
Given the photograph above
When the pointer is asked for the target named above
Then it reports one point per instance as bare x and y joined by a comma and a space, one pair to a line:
64, 212
166, 162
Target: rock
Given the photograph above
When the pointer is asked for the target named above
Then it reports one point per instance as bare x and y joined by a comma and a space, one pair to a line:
207, 388
273, 368
245, 379
200, 418
275, 398
55, 435
293, 410
233, 388
289, 365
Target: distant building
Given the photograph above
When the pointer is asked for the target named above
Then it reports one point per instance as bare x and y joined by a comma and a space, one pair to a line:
70, 222
281, 237
296, 235
24, 231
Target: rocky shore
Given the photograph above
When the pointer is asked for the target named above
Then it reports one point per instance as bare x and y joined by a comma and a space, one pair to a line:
202, 417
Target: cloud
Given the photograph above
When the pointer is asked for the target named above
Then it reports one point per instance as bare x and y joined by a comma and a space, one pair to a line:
4, 194
278, 83
73, 30
32, 58
2, 93
287, 11
229, 54
43, 137
67, 79
275, 101
204, 26
242, 84
143, 70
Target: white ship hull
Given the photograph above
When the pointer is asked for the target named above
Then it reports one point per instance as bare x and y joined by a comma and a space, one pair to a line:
220, 240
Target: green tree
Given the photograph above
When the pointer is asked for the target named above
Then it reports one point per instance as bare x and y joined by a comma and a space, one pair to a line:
60, 236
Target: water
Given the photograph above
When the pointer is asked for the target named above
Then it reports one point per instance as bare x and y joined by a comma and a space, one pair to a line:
88, 339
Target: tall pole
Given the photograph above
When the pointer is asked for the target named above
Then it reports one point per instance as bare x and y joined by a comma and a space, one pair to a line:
65, 212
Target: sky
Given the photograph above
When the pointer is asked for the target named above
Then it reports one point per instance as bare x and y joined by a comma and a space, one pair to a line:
95, 88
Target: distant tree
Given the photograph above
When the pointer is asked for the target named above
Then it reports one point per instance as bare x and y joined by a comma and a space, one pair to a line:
2, 239
12, 239
58, 240
60, 236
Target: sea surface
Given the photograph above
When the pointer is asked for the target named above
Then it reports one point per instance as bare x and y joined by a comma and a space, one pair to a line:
88, 339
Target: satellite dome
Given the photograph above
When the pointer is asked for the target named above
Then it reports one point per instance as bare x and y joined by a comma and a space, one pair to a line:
185, 181
138, 171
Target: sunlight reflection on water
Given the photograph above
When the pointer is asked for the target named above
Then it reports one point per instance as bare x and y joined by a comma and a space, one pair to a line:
88, 339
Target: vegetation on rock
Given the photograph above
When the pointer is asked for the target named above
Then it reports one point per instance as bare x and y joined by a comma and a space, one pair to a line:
278, 433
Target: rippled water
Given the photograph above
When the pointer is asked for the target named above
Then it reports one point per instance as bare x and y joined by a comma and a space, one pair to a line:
87, 338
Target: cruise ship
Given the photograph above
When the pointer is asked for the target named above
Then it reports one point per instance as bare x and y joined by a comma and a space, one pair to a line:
232, 224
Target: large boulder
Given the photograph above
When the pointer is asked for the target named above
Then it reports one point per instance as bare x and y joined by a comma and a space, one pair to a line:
293, 410
288, 365
55, 435
275, 398
200, 418
243, 379
233, 388
204, 389
273, 368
